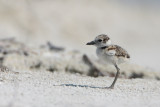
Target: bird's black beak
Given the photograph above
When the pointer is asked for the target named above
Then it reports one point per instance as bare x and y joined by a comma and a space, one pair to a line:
91, 43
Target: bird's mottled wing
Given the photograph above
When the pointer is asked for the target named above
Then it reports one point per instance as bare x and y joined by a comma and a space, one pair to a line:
117, 51
121, 52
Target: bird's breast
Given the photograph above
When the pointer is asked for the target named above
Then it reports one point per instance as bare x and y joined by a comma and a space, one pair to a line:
106, 58
99, 52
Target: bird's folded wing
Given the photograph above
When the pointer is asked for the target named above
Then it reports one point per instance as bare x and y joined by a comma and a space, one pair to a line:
120, 52
117, 51
111, 52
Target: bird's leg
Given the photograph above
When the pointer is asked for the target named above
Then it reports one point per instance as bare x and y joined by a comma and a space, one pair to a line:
115, 79
117, 75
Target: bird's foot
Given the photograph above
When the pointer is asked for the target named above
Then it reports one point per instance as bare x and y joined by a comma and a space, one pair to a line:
111, 87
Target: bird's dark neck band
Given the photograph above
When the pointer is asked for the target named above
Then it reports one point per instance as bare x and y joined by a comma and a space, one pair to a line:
103, 47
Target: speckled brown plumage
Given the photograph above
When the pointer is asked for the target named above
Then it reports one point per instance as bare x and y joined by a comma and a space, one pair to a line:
120, 52
103, 37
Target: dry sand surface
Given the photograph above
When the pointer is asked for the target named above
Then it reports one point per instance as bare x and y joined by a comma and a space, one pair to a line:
51, 76
46, 89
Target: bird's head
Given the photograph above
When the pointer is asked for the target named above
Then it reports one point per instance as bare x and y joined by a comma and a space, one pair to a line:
100, 41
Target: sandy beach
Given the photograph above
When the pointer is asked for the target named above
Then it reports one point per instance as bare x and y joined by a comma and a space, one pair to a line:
46, 89
49, 78
44, 60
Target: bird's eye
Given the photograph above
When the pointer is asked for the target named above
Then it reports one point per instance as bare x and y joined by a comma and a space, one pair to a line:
99, 40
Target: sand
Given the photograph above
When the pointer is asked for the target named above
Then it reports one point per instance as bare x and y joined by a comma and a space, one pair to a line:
46, 89
44, 77
41, 77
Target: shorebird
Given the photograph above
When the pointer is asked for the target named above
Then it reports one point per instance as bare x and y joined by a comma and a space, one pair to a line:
112, 54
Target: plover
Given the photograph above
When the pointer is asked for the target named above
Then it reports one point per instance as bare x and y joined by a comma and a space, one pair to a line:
112, 54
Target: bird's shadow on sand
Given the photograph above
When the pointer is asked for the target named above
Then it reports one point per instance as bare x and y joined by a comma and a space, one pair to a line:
83, 86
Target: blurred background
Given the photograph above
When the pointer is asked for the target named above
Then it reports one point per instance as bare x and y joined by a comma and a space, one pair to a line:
132, 24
